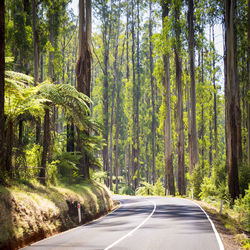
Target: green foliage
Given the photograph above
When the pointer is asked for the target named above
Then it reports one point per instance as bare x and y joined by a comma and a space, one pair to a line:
208, 188
159, 189
145, 189
242, 206
125, 190
244, 177
196, 180
66, 163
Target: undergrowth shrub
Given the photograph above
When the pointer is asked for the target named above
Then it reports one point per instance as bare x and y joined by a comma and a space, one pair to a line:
242, 206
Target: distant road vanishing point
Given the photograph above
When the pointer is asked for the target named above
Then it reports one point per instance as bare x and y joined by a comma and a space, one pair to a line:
142, 223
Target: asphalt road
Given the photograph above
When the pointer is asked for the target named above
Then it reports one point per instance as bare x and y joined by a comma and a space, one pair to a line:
143, 223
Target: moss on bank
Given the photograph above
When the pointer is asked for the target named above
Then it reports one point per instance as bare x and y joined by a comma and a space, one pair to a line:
30, 211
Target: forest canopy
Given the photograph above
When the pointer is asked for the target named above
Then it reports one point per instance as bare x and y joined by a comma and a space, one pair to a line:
133, 93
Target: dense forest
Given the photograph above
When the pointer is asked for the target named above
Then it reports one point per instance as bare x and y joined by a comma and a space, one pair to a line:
132, 93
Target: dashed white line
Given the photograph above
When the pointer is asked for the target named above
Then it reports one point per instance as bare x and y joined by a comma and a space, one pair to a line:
132, 231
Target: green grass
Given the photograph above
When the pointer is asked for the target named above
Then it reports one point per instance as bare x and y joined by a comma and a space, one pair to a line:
230, 219
30, 211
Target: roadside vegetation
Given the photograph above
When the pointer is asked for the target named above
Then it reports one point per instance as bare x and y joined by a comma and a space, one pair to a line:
30, 211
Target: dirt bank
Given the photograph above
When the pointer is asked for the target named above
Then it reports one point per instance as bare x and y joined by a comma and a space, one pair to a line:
30, 212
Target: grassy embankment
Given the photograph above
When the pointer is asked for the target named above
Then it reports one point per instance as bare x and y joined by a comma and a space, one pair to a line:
235, 222
30, 211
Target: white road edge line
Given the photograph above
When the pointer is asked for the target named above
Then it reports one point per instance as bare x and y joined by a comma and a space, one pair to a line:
131, 232
212, 224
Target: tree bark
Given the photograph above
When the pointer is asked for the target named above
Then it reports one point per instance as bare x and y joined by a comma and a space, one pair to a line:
70, 137
35, 41
152, 88
248, 89
180, 124
231, 102
134, 146
46, 144
194, 140
215, 100
105, 96
2, 68
169, 174
83, 71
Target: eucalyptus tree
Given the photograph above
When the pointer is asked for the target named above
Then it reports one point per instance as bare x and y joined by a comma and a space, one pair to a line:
179, 87
191, 46
152, 88
231, 100
83, 71
169, 175
2, 68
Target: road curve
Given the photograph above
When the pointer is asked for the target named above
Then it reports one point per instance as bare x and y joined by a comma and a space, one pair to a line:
142, 223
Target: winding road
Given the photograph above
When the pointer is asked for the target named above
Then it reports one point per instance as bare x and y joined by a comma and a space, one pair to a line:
142, 223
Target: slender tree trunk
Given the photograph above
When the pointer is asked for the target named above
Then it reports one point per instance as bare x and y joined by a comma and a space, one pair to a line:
194, 140
105, 97
115, 86
46, 144
70, 137
169, 174
83, 71
35, 41
189, 123
231, 102
215, 100
202, 114
2, 68
152, 88
248, 89
36, 61
9, 147
137, 97
180, 124
134, 146
129, 166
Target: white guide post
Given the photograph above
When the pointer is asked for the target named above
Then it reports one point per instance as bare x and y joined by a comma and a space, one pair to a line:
79, 212
221, 206
192, 194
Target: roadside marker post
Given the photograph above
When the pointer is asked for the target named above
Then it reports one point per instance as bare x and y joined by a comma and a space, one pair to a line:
221, 206
79, 212
192, 194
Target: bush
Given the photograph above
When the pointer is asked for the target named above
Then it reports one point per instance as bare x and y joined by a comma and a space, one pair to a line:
126, 190
146, 189
158, 188
242, 206
208, 188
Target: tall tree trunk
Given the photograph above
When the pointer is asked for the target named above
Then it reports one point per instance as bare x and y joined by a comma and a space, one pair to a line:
134, 159
248, 89
46, 144
9, 146
115, 86
70, 137
215, 99
231, 102
137, 99
189, 119
194, 140
36, 60
169, 174
105, 97
180, 124
83, 71
2, 68
152, 88
35, 41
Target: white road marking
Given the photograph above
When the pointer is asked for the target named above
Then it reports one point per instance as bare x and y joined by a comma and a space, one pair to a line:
131, 232
212, 224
